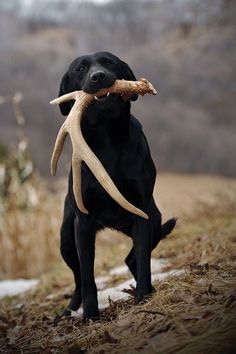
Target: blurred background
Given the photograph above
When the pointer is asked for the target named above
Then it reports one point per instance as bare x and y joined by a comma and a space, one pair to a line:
186, 48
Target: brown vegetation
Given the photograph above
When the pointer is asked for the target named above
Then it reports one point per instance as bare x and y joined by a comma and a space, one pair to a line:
192, 313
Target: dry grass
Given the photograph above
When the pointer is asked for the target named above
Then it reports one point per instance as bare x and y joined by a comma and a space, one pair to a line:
192, 313
32, 233
29, 233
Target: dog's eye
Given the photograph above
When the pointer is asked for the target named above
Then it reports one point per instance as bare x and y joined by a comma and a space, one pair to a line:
81, 68
108, 62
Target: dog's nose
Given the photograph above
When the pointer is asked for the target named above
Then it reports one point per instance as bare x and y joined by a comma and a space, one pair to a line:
97, 76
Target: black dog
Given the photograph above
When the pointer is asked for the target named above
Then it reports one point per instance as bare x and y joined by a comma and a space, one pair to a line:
117, 139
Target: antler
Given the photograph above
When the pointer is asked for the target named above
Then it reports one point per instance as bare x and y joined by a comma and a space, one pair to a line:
82, 152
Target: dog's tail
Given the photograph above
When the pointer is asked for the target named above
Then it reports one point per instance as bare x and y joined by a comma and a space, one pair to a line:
167, 227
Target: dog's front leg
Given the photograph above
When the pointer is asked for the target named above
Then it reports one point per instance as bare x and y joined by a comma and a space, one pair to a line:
141, 233
85, 244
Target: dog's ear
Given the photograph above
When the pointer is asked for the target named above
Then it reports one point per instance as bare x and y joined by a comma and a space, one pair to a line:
128, 74
65, 107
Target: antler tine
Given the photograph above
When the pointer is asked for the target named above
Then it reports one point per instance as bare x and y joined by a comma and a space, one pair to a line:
61, 137
76, 166
69, 96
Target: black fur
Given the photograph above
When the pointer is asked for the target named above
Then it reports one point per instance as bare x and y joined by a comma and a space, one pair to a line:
118, 141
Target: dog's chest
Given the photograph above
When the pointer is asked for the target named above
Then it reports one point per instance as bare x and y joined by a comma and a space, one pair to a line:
119, 160
116, 147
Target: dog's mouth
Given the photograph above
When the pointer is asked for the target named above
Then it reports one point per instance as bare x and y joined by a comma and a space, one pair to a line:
105, 101
102, 99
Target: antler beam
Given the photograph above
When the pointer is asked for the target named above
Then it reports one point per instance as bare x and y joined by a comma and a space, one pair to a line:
82, 152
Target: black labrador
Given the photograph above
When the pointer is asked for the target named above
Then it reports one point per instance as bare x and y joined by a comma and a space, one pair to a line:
117, 139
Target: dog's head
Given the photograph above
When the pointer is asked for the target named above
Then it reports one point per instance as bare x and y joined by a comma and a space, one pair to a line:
90, 73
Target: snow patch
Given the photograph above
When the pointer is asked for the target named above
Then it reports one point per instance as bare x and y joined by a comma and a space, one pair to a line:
116, 293
156, 266
119, 270
19, 286
15, 287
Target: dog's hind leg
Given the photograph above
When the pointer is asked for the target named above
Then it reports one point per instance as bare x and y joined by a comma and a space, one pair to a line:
159, 232
70, 256
155, 219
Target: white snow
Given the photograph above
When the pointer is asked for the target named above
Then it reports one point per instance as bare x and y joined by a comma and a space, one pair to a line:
101, 281
156, 265
115, 293
119, 270
15, 287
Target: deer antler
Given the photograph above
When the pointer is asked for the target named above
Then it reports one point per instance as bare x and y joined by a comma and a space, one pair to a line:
82, 152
